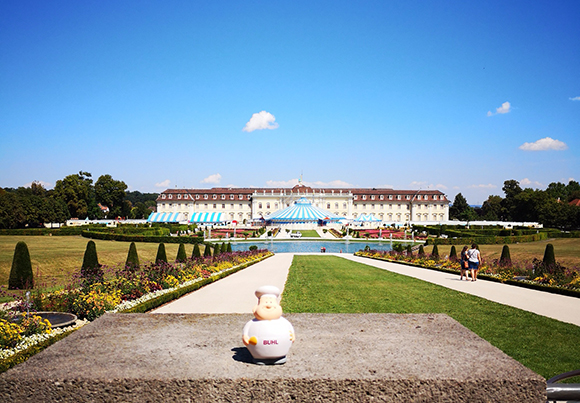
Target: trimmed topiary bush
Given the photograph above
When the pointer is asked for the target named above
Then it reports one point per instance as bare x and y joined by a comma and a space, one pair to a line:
161, 254
91, 271
132, 257
196, 252
453, 254
229, 248
181, 256
549, 256
421, 251
409, 250
207, 251
435, 252
505, 260
21, 276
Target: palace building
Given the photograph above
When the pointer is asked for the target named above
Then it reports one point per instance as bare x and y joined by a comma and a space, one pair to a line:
219, 205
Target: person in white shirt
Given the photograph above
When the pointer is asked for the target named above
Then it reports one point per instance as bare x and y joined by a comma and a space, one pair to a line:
475, 260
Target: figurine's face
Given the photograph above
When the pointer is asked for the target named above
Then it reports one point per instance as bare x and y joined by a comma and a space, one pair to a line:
268, 309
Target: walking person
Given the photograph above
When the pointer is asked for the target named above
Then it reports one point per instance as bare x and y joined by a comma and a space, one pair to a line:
475, 260
464, 263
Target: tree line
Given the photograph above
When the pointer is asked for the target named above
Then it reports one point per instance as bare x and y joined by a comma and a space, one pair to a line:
550, 207
75, 196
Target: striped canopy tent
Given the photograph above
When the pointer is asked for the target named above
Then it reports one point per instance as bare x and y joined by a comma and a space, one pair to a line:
367, 218
207, 218
302, 212
165, 217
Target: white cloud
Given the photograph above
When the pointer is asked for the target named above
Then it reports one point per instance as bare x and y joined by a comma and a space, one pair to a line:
504, 108
44, 184
482, 186
526, 183
547, 143
423, 185
163, 184
440, 186
317, 184
260, 121
575, 99
215, 178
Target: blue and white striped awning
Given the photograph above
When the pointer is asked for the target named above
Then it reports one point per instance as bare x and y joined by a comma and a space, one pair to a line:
367, 218
302, 212
165, 217
208, 217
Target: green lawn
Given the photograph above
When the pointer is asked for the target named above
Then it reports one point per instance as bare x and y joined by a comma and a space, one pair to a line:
309, 233
328, 284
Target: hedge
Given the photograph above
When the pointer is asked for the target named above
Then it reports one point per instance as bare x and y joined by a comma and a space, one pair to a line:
534, 286
108, 236
488, 240
42, 231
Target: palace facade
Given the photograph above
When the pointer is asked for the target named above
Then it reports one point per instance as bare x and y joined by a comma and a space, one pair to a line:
245, 204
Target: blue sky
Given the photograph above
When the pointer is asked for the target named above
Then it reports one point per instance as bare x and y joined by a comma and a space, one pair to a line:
456, 96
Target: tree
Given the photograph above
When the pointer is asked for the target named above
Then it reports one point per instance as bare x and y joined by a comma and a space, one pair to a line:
21, 276
549, 256
181, 256
91, 271
111, 193
77, 192
505, 260
229, 249
461, 210
409, 250
132, 257
421, 251
161, 254
492, 209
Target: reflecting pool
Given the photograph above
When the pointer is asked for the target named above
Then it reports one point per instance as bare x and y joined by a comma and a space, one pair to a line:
312, 246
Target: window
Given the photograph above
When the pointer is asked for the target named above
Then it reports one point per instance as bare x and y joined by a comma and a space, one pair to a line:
382, 197
163, 196
408, 197
372, 197
364, 197
336, 205
276, 206
170, 197
205, 206
231, 197
419, 197
179, 196
232, 206
390, 197
197, 196
223, 197
399, 206
215, 197
344, 205
205, 197
214, 206
355, 197
260, 205
372, 206
434, 197
267, 205
398, 197
223, 206
382, 206
241, 197
328, 206
364, 206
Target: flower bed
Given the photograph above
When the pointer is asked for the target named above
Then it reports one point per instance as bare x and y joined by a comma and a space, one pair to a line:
123, 289
559, 279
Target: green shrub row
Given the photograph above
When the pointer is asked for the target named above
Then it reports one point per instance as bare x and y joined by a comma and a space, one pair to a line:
534, 286
23, 355
108, 236
43, 231
488, 240
170, 296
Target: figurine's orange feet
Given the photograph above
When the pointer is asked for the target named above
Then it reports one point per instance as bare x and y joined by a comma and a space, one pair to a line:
253, 341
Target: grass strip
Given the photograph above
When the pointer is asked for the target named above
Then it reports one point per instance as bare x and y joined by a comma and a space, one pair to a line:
329, 284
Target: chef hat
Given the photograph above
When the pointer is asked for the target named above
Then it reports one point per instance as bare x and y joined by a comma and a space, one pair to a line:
268, 290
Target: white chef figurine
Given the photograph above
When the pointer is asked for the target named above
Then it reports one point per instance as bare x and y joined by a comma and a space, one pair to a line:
269, 336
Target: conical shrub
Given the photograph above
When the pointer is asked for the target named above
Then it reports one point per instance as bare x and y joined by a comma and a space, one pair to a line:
224, 248
229, 248
161, 254
435, 252
132, 257
453, 254
549, 256
21, 276
206, 250
91, 271
196, 252
421, 251
409, 250
505, 259
181, 256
